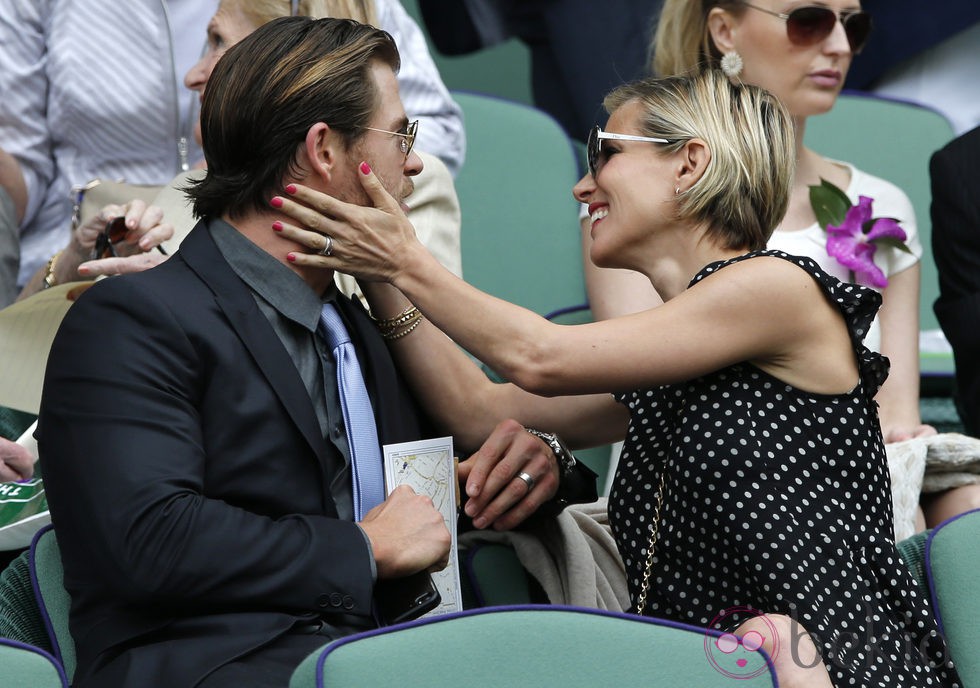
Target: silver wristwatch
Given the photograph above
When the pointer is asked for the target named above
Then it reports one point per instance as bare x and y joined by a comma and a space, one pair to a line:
566, 461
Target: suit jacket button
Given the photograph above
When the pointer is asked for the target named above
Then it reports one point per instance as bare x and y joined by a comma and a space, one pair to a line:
335, 599
323, 601
348, 602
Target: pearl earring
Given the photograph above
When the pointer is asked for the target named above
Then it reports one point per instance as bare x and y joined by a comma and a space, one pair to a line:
731, 64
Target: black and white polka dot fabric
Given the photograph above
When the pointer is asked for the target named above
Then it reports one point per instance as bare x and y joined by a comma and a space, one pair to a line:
777, 500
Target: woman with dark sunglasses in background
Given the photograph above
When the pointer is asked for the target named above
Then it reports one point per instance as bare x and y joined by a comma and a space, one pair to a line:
801, 53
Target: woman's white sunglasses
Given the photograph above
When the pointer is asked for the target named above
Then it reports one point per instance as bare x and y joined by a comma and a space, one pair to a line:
597, 135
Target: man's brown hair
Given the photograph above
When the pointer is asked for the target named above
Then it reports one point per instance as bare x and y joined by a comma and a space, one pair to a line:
268, 90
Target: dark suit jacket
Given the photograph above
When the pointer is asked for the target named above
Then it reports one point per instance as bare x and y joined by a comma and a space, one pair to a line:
580, 49
955, 173
186, 475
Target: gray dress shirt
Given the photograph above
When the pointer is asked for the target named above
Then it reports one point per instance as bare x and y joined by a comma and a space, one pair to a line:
293, 310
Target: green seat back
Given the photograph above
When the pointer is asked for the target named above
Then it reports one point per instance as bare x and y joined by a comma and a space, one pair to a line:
913, 552
49, 581
13, 423
952, 565
520, 230
503, 69
496, 576
20, 617
25, 659
532, 646
893, 140
23, 666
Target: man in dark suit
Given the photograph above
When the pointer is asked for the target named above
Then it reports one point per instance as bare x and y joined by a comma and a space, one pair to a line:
195, 452
955, 173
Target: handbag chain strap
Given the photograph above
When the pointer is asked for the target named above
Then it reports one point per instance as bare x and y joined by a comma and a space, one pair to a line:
641, 601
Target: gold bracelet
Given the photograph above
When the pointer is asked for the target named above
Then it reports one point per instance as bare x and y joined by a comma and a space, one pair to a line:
405, 317
391, 336
49, 279
414, 317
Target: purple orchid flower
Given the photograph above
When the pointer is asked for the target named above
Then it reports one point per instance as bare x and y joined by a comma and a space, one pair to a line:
852, 242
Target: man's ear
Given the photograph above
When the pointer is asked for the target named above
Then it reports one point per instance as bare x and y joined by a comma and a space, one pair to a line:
693, 161
722, 26
322, 151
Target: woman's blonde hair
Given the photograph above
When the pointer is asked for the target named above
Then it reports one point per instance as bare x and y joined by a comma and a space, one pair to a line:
682, 43
261, 12
743, 193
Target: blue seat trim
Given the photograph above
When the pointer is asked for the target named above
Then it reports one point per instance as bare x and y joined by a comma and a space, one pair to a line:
48, 626
566, 310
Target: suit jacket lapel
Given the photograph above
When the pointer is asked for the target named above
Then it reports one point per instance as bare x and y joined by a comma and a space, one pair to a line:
202, 255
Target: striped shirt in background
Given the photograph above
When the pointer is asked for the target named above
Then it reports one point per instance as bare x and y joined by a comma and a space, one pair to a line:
94, 89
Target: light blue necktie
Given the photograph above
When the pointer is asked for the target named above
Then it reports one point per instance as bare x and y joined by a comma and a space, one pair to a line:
362, 432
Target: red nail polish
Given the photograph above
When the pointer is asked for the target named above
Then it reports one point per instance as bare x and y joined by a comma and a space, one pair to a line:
276, 202
290, 188
277, 226
365, 168
291, 257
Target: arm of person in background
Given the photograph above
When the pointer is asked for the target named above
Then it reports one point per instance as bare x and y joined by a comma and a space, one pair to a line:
434, 210
423, 93
614, 292
12, 181
16, 462
898, 398
13, 201
24, 132
134, 253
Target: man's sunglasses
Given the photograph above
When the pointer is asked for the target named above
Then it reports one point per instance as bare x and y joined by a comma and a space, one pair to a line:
807, 26
114, 232
594, 145
407, 138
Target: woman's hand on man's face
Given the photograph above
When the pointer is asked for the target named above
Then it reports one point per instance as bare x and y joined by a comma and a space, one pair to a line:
368, 242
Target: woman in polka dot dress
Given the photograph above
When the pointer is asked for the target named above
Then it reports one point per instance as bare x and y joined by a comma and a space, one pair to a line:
753, 494
775, 501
